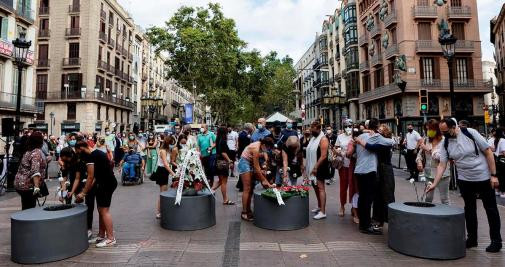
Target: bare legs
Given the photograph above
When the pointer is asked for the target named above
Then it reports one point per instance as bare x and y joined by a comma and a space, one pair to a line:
163, 188
247, 194
223, 181
319, 190
105, 223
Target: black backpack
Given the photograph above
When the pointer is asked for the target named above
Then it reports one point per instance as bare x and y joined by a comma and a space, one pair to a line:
465, 131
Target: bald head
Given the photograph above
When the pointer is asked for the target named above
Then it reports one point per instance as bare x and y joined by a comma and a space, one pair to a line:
292, 143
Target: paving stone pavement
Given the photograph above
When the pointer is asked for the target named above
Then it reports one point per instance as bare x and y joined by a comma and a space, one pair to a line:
334, 241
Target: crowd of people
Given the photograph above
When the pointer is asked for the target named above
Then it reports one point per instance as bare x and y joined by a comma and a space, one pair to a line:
274, 155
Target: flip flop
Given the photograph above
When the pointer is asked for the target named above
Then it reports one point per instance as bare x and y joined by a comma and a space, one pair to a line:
246, 217
229, 203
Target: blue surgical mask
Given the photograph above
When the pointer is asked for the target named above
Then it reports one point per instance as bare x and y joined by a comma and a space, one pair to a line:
289, 125
260, 126
171, 146
72, 143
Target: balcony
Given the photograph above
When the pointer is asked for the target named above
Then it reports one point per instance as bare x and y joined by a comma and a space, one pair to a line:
43, 11
111, 43
28, 104
7, 6
363, 40
24, 13
428, 46
118, 49
101, 97
375, 31
381, 92
464, 46
425, 12
364, 66
392, 51
111, 70
459, 12
102, 65
124, 52
73, 32
44, 33
43, 63
376, 59
103, 15
74, 8
102, 36
119, 74
72, 62
390, 20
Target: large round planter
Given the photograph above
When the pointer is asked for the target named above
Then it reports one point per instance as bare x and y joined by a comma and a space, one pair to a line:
435, 232
46, 234
269, 215
194, 213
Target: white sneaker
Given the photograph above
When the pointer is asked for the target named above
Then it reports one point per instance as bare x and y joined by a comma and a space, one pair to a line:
90, 233
316, 210
502, 195
106, 243
96, 240
319, 216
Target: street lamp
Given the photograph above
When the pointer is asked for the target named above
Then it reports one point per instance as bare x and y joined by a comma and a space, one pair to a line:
21, 47
448, 43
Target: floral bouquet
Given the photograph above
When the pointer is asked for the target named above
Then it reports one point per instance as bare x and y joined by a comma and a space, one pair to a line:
287, 192
192, 176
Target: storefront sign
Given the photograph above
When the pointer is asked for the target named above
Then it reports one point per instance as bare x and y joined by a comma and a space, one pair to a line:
39, 127
71, 126
98, 127
6, 48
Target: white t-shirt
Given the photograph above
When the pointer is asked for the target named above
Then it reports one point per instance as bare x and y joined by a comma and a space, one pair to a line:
342, 142
231, 140
412, 139
500, 148
471, 167
490, 142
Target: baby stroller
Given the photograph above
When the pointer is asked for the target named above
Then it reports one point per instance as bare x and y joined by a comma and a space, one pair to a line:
132, 172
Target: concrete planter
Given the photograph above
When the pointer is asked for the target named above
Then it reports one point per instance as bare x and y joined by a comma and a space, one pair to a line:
425, 230
292, 216
195, 212
46, 234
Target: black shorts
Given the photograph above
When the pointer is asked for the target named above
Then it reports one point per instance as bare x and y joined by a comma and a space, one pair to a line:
104, 195
161, 176
232, 154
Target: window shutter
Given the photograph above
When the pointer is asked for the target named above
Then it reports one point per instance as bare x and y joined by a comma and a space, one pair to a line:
421, 68
436, 63
5, 28
469, 68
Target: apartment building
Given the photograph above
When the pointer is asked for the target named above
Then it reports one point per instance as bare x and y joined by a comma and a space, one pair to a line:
304, 84
15, 17
390, 28
498, 39
84, 65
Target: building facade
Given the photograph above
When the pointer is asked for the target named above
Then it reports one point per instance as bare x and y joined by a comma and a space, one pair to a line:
390, 28
498, 39
16, 17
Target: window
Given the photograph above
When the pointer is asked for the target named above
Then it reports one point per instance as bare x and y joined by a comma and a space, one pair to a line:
458, 29
393, 36
4, 29
41, 90
430, 70
424, 30
461, 71
422, 2
106, 113
71, 111
15, 79
456, 3
98, 112
99, 82
74, 22
391, 70
43, 51
44, 24
379, 77
73, 51
115, 115
366, 82
99, 53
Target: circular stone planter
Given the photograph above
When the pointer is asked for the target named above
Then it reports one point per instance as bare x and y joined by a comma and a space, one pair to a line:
269, 215
425, 230
46, 234
195, 212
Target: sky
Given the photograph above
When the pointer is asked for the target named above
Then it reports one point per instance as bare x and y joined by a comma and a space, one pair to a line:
285, 26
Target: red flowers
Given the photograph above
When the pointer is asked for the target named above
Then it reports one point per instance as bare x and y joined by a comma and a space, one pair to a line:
294, 188
197, 184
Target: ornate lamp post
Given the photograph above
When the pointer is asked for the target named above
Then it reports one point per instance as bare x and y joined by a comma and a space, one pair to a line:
21, 47
448, 43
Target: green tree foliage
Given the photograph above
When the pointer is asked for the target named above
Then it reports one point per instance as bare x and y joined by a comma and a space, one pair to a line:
204, 50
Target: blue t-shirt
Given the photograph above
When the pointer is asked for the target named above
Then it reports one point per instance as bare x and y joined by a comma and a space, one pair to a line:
133, 158
259, 135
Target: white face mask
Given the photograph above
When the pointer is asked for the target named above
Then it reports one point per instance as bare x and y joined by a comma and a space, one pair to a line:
202, 130
348, 131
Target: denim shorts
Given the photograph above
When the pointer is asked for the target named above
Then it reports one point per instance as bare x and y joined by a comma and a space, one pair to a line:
244, 166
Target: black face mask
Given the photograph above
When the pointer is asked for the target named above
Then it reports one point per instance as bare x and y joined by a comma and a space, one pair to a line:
410, 130
315, 134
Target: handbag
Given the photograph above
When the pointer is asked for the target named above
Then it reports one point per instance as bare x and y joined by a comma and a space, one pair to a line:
222, 165
44, 191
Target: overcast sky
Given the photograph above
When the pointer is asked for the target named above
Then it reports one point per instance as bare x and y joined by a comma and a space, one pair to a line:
286, 26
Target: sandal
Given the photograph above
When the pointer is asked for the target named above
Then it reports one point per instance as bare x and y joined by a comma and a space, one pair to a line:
246, 217
229, 203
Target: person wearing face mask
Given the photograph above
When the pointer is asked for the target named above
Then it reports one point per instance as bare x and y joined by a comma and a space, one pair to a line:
332, 138
288, 132
345, 172
412, 142
429, 158
476, 167
261, 131
110, 142
206, 145
90, 141
232, 142
317, 168
151, 153
130, 160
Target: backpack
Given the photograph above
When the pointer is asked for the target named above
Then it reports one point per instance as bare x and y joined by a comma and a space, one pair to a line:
465, 131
